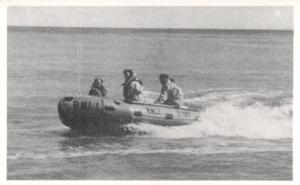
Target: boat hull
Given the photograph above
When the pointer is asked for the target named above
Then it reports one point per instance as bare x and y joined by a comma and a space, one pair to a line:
94, 113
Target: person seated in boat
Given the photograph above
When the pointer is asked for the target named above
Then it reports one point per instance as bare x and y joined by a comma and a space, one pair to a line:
132, 87
98, 88
171, 93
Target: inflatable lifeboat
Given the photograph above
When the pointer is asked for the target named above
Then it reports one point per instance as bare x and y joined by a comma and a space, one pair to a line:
82, 112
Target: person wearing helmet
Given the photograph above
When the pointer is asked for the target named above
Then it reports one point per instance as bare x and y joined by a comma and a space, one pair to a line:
132, 87
98, 88
171, 94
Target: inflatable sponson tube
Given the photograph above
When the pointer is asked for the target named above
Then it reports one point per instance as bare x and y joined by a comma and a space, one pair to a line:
78, 112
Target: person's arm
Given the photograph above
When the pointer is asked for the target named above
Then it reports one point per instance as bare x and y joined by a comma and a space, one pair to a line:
131, 91
139, 88
104, 91
135, 88
163, 95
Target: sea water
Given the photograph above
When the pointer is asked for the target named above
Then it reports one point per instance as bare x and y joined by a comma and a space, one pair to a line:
240, 80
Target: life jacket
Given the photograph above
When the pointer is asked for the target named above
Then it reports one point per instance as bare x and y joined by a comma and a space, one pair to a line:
94, 92
126, 85
98, 90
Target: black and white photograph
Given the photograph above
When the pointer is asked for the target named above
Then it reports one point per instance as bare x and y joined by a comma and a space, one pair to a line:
150, 93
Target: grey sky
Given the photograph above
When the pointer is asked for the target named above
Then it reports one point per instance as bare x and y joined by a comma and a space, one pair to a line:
272, 17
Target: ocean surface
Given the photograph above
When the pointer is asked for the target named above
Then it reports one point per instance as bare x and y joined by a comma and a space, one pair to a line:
241, 81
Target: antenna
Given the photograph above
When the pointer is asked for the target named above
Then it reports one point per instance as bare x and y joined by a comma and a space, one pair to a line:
78, 49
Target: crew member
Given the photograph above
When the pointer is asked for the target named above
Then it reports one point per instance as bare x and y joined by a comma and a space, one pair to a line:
170, 94
132, 87
98, 88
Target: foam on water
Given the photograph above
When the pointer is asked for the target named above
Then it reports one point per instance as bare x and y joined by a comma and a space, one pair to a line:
233, 114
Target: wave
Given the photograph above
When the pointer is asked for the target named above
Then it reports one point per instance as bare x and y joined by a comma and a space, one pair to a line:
232, 113
82, 152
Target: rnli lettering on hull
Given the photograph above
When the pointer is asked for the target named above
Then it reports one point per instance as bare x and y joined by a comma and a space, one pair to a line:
184, 114
153, 110
156, 111
84, 105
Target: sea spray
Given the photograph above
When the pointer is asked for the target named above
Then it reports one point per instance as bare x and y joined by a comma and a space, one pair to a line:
262, 115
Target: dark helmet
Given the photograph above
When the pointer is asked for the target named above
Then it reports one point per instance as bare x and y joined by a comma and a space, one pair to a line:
128, 72
163, 76
97, 81
129, 76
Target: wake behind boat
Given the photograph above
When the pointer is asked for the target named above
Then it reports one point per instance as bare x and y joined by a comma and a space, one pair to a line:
100, 114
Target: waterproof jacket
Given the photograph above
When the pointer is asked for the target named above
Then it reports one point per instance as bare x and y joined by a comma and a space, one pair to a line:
171, 94
98, 90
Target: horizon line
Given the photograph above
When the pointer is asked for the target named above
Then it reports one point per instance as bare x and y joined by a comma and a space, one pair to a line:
144, 28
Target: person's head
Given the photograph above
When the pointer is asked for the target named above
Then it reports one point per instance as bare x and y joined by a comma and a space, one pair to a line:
172, 80
163, 78
128, 73
97, 81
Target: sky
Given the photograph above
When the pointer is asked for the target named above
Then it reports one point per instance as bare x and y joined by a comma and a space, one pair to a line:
213, 17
